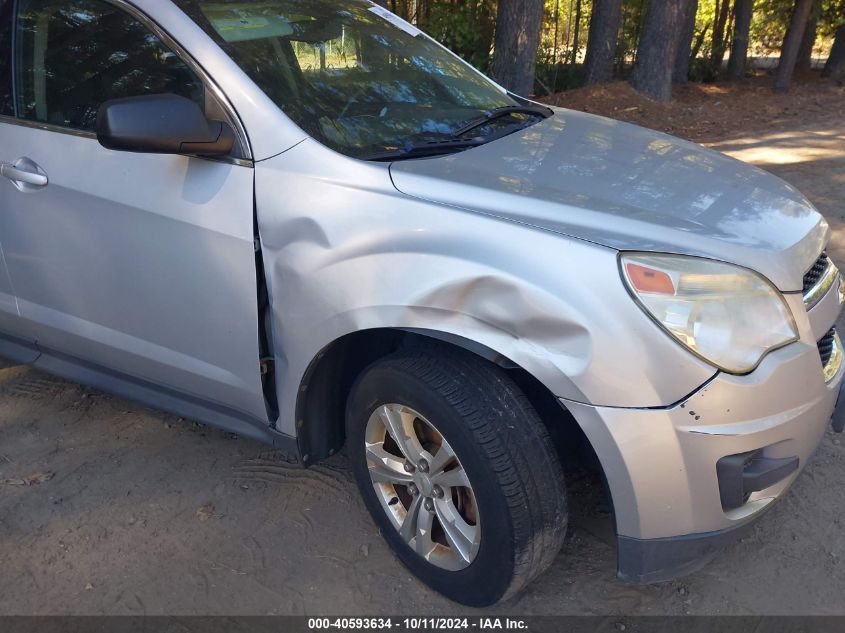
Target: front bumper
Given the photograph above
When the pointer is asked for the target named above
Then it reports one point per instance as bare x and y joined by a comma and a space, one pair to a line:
661, 463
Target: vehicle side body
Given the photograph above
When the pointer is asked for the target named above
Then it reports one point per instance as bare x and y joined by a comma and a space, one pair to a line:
272, 278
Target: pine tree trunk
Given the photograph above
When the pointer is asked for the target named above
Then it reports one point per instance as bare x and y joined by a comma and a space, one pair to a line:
805, 52
791, 44
424, 10
605, 20
717, 54
576, 44
658, 48
682, 57
743, 11
835, 66
517, 39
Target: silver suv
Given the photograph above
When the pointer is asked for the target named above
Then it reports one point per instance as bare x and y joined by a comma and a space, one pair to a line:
306, 222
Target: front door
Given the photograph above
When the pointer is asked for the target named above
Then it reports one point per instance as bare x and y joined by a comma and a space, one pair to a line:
9, 321
140, 264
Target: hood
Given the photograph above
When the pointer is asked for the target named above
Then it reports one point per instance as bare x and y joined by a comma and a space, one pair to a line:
629, 188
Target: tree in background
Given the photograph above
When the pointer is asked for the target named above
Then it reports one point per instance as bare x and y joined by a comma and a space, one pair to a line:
576, 32
516, 42
619, 35
808, 42
720, 24
791, 44
682, 57
633, 18
769, 24
835, 66
743, 12
658, 48
605, 21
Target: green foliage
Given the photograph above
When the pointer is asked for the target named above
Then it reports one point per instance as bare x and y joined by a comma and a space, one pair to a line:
467, 29
704, 19
768, 27
557, 77
771, 19
702, 70
557, 42
633, 16
559, 57
833, 15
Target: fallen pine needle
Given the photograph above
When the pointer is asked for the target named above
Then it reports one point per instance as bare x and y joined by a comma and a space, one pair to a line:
29, 480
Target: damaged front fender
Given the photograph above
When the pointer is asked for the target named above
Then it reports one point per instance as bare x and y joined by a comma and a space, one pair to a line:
348, 252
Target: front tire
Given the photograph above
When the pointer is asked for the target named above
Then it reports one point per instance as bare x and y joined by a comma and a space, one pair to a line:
458, 472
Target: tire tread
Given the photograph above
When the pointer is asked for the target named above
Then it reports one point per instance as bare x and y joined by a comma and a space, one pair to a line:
512, 436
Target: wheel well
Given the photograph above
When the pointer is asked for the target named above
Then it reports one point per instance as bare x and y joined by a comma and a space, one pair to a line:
321, 405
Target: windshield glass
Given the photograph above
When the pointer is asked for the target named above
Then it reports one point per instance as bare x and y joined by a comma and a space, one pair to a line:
354, 76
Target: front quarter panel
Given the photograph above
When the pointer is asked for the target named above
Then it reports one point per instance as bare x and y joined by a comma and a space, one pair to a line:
344, 251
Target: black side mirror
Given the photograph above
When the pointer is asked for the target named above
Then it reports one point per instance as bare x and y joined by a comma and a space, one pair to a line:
161, 124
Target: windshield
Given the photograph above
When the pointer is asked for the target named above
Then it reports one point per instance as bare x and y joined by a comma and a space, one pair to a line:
358, 79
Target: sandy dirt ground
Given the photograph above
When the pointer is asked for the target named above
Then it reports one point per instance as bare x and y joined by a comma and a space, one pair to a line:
147, 513
713, 112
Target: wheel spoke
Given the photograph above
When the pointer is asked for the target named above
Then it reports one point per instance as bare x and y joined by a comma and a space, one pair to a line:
462, 537
408, 529
456, 476
424, 544
442, 458
399, 425
384, 467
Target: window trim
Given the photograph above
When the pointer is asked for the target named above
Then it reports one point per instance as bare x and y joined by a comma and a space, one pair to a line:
170, 42
47, 127
12, 6
12, 69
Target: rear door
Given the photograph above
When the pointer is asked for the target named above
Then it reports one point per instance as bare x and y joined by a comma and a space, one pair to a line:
140, 264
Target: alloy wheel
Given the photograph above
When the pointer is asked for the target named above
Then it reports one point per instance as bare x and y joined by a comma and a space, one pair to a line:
422, 486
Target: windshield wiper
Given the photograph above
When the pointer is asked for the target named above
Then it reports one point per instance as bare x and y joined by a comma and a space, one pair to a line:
421, 150
500, 113
457, 144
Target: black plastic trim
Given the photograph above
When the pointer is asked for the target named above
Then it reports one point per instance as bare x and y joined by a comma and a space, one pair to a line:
743, 473
145, 392
838, 417
18, 350
645, 561
267, 361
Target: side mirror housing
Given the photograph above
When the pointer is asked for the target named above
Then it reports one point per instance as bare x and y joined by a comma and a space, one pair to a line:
161, 124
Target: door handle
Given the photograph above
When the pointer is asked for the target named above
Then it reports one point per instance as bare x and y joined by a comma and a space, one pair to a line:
25, 174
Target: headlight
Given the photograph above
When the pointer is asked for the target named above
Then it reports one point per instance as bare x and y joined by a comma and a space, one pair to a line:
729, 316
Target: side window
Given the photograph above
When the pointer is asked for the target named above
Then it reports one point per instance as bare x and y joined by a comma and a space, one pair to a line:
6, 104
71, 56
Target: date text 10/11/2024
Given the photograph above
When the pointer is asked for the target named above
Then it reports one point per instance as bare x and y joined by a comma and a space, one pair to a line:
417, 624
